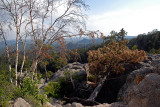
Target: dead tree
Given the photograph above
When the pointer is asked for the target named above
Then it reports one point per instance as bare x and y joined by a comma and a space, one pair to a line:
67, 23
15, 10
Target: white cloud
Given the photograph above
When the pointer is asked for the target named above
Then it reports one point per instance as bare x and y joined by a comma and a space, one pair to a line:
134, 21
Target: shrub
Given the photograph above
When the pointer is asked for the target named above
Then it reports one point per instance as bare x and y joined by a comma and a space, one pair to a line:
29, 91
49, 74
28, 87
158, 51
6, 89
152, 51
53, 89
6, 94
58, 89
134, 47
111, 58
32, 101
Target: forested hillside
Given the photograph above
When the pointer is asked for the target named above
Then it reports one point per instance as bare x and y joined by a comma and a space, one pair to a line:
149, 42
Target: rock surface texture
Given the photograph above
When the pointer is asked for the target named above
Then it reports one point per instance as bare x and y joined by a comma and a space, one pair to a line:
142, 87
147, 92
20, 103
75, 67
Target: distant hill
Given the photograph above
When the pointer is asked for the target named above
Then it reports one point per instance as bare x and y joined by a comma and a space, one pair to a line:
88, 42
84, 43
72, 43
12, 43
130, 37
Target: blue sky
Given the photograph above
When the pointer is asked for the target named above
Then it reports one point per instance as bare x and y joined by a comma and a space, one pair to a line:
135, 16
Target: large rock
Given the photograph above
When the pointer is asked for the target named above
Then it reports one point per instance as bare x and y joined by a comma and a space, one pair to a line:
75, 67
131, 81
147, 92
67, 105
144, 94
157, 68
21, 103
153, 56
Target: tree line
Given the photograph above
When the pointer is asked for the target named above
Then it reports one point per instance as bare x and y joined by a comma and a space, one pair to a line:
149, 42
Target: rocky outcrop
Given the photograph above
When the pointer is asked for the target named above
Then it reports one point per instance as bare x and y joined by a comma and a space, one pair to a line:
75, 67
127, 89
147, 92
20, 103
142, 87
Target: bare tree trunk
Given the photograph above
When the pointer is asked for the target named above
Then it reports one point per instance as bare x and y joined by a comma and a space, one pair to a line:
9, 64
97, 89
7, 51
16, 61
35, 66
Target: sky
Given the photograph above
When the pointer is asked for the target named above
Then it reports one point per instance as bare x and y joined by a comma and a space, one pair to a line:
135, 16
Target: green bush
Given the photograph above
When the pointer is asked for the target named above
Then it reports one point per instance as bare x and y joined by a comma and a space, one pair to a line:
152, 51
30, 92
53, 89
134, 47
32, 101
6, 89
49, 74
28, 87
158, 51
58, 89
6, 94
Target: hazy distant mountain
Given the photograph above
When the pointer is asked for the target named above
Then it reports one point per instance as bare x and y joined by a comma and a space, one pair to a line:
72, 43
84, 43
88, 42
12, 44
130, 37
